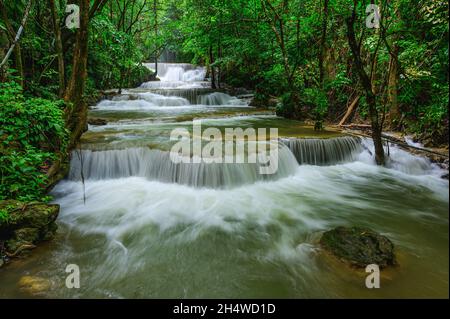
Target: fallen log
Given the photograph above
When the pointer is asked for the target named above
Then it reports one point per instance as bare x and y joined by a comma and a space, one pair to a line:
350, 110
356, 126
396, 141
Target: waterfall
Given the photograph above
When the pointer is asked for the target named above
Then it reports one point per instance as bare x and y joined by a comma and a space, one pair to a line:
157, 165
325, 151
177, 75
218, 98
180, 97
192, 94
153, 98
198, 74
164, 68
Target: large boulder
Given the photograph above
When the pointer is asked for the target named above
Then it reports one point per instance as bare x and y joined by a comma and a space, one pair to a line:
359, 246
27, 224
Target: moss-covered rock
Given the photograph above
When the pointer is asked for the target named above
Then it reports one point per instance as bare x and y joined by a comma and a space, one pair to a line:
26, 225
359, 246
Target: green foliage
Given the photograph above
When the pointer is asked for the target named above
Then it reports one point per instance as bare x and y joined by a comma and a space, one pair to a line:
32, 131
4, 216
244, 38
318, 102
115, 56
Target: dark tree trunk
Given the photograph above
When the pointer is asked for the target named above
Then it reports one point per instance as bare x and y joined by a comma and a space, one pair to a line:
11, 36
212, 68
59, 48
323, 42
3, 49
367, 86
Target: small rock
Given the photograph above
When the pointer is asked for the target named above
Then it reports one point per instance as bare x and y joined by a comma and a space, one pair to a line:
359, 246
97, 121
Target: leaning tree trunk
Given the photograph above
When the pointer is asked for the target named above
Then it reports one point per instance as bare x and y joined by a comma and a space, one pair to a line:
14, 38
76, 114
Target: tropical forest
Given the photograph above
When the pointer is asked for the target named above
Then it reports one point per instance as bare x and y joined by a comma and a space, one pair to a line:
243, 149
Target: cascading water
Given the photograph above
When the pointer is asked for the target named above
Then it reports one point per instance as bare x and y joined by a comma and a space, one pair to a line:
141, 226
218, 98
157, 165
177, 76
325, 151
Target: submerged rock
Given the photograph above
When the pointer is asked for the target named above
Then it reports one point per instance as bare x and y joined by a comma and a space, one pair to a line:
34, 285
97, 121
359, 246
27, 225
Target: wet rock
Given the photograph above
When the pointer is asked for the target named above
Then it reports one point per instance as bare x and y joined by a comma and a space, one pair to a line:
97, 121
27, 225
359, 246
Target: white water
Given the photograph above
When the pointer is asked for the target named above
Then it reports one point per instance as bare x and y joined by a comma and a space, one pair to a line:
409, 140
139, 202
148, 100
157, 165
177, 76
148, 228
143, 227
218, 98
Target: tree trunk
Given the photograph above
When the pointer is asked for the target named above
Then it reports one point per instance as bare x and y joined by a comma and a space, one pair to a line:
77, 112
3, 49
323, 42
394, 112
59, 48
14, 39
367, 86
350, 110
213, 71
155, 13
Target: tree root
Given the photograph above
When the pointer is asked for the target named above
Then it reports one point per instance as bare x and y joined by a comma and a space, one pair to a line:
19, 250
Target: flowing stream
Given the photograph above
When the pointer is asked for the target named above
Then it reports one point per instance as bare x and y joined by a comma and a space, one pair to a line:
150, 228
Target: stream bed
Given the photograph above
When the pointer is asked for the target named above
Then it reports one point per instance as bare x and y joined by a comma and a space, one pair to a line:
143, 227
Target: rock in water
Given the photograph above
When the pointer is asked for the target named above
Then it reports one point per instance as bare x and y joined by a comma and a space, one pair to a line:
27, 225
34, 285
359, 246
97, 121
